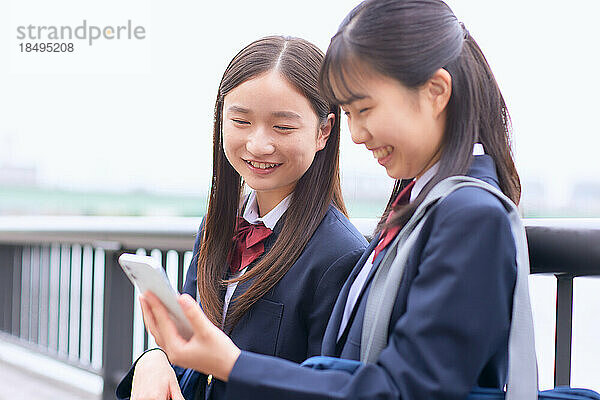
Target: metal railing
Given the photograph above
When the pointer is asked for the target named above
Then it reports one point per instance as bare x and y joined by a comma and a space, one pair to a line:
63, 294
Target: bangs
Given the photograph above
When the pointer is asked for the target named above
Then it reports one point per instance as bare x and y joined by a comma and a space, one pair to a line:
342, 73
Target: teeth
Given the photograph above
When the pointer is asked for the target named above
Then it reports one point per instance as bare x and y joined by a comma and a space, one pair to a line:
382, 152
261, 165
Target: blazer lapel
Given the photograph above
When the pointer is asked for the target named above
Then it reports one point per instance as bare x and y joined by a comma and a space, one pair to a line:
371, 273
333, 326
356, 304
240, 288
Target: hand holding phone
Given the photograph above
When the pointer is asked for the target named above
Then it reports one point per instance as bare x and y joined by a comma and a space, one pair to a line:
147, 274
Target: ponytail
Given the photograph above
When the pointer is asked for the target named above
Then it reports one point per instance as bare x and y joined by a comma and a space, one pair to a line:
409, 40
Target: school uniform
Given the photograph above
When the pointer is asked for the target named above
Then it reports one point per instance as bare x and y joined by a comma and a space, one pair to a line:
450, 321
289, 321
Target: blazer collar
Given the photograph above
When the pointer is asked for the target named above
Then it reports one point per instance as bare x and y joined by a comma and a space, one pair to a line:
331, 332
483, 167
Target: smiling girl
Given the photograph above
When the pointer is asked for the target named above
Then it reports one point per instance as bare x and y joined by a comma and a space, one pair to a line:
267, 266
420, 95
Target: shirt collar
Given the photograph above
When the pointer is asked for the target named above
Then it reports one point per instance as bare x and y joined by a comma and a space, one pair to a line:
271, 218
430, 173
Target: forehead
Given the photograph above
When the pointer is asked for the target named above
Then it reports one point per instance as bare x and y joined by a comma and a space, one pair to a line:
271, 93
353, 83
347, 79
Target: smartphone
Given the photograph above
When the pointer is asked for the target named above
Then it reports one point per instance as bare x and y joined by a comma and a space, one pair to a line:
147, 274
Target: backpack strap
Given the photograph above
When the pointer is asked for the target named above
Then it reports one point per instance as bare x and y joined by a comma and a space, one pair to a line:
522, 364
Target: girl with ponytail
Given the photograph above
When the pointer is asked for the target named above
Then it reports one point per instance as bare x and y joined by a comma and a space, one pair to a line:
420, 95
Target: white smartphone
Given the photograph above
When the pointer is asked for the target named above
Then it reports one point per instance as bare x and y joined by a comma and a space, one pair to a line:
147, 274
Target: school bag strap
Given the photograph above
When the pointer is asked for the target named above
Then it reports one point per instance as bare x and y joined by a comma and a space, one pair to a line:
522, 381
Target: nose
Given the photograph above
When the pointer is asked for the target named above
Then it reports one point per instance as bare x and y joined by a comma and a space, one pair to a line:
358, 131
260, 142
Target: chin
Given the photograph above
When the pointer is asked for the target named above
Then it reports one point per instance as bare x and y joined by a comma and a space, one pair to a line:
261, 186
392, 174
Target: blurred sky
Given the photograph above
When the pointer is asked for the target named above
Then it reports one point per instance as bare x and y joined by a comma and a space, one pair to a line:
137, 114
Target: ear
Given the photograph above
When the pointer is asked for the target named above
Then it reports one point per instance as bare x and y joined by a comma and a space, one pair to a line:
438, 91
325, 131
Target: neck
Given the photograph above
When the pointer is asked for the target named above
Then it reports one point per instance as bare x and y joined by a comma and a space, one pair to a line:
268, 200
436, 157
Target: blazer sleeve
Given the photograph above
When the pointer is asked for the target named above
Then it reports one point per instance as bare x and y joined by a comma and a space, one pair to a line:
324, 297
190, 284
189, 287
191, 279
457, 315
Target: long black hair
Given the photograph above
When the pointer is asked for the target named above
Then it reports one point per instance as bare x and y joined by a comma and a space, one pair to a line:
409, 40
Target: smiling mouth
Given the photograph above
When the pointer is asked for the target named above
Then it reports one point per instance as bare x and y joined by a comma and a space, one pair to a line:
261, 165
382, 152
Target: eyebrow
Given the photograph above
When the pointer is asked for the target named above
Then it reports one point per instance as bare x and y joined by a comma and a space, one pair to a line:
355, 98
286, 114
238, 109
276, 114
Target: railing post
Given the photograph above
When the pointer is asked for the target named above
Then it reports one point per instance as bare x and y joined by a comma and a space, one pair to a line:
564, 329
118, 323
7, 258
17, 269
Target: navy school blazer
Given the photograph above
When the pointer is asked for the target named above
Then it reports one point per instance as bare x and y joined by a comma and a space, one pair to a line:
450, 321
290, 320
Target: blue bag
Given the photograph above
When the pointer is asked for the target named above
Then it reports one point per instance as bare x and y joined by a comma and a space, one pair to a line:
340, 364
558, 393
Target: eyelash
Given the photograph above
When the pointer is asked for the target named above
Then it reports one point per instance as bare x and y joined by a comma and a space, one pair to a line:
281, 128
284, 128
347, 113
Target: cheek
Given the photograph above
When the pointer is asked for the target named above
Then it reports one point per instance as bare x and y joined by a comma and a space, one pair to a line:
405, 130
426, 135
302, 152
310, 147
383, 124
231, 140
232, 144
